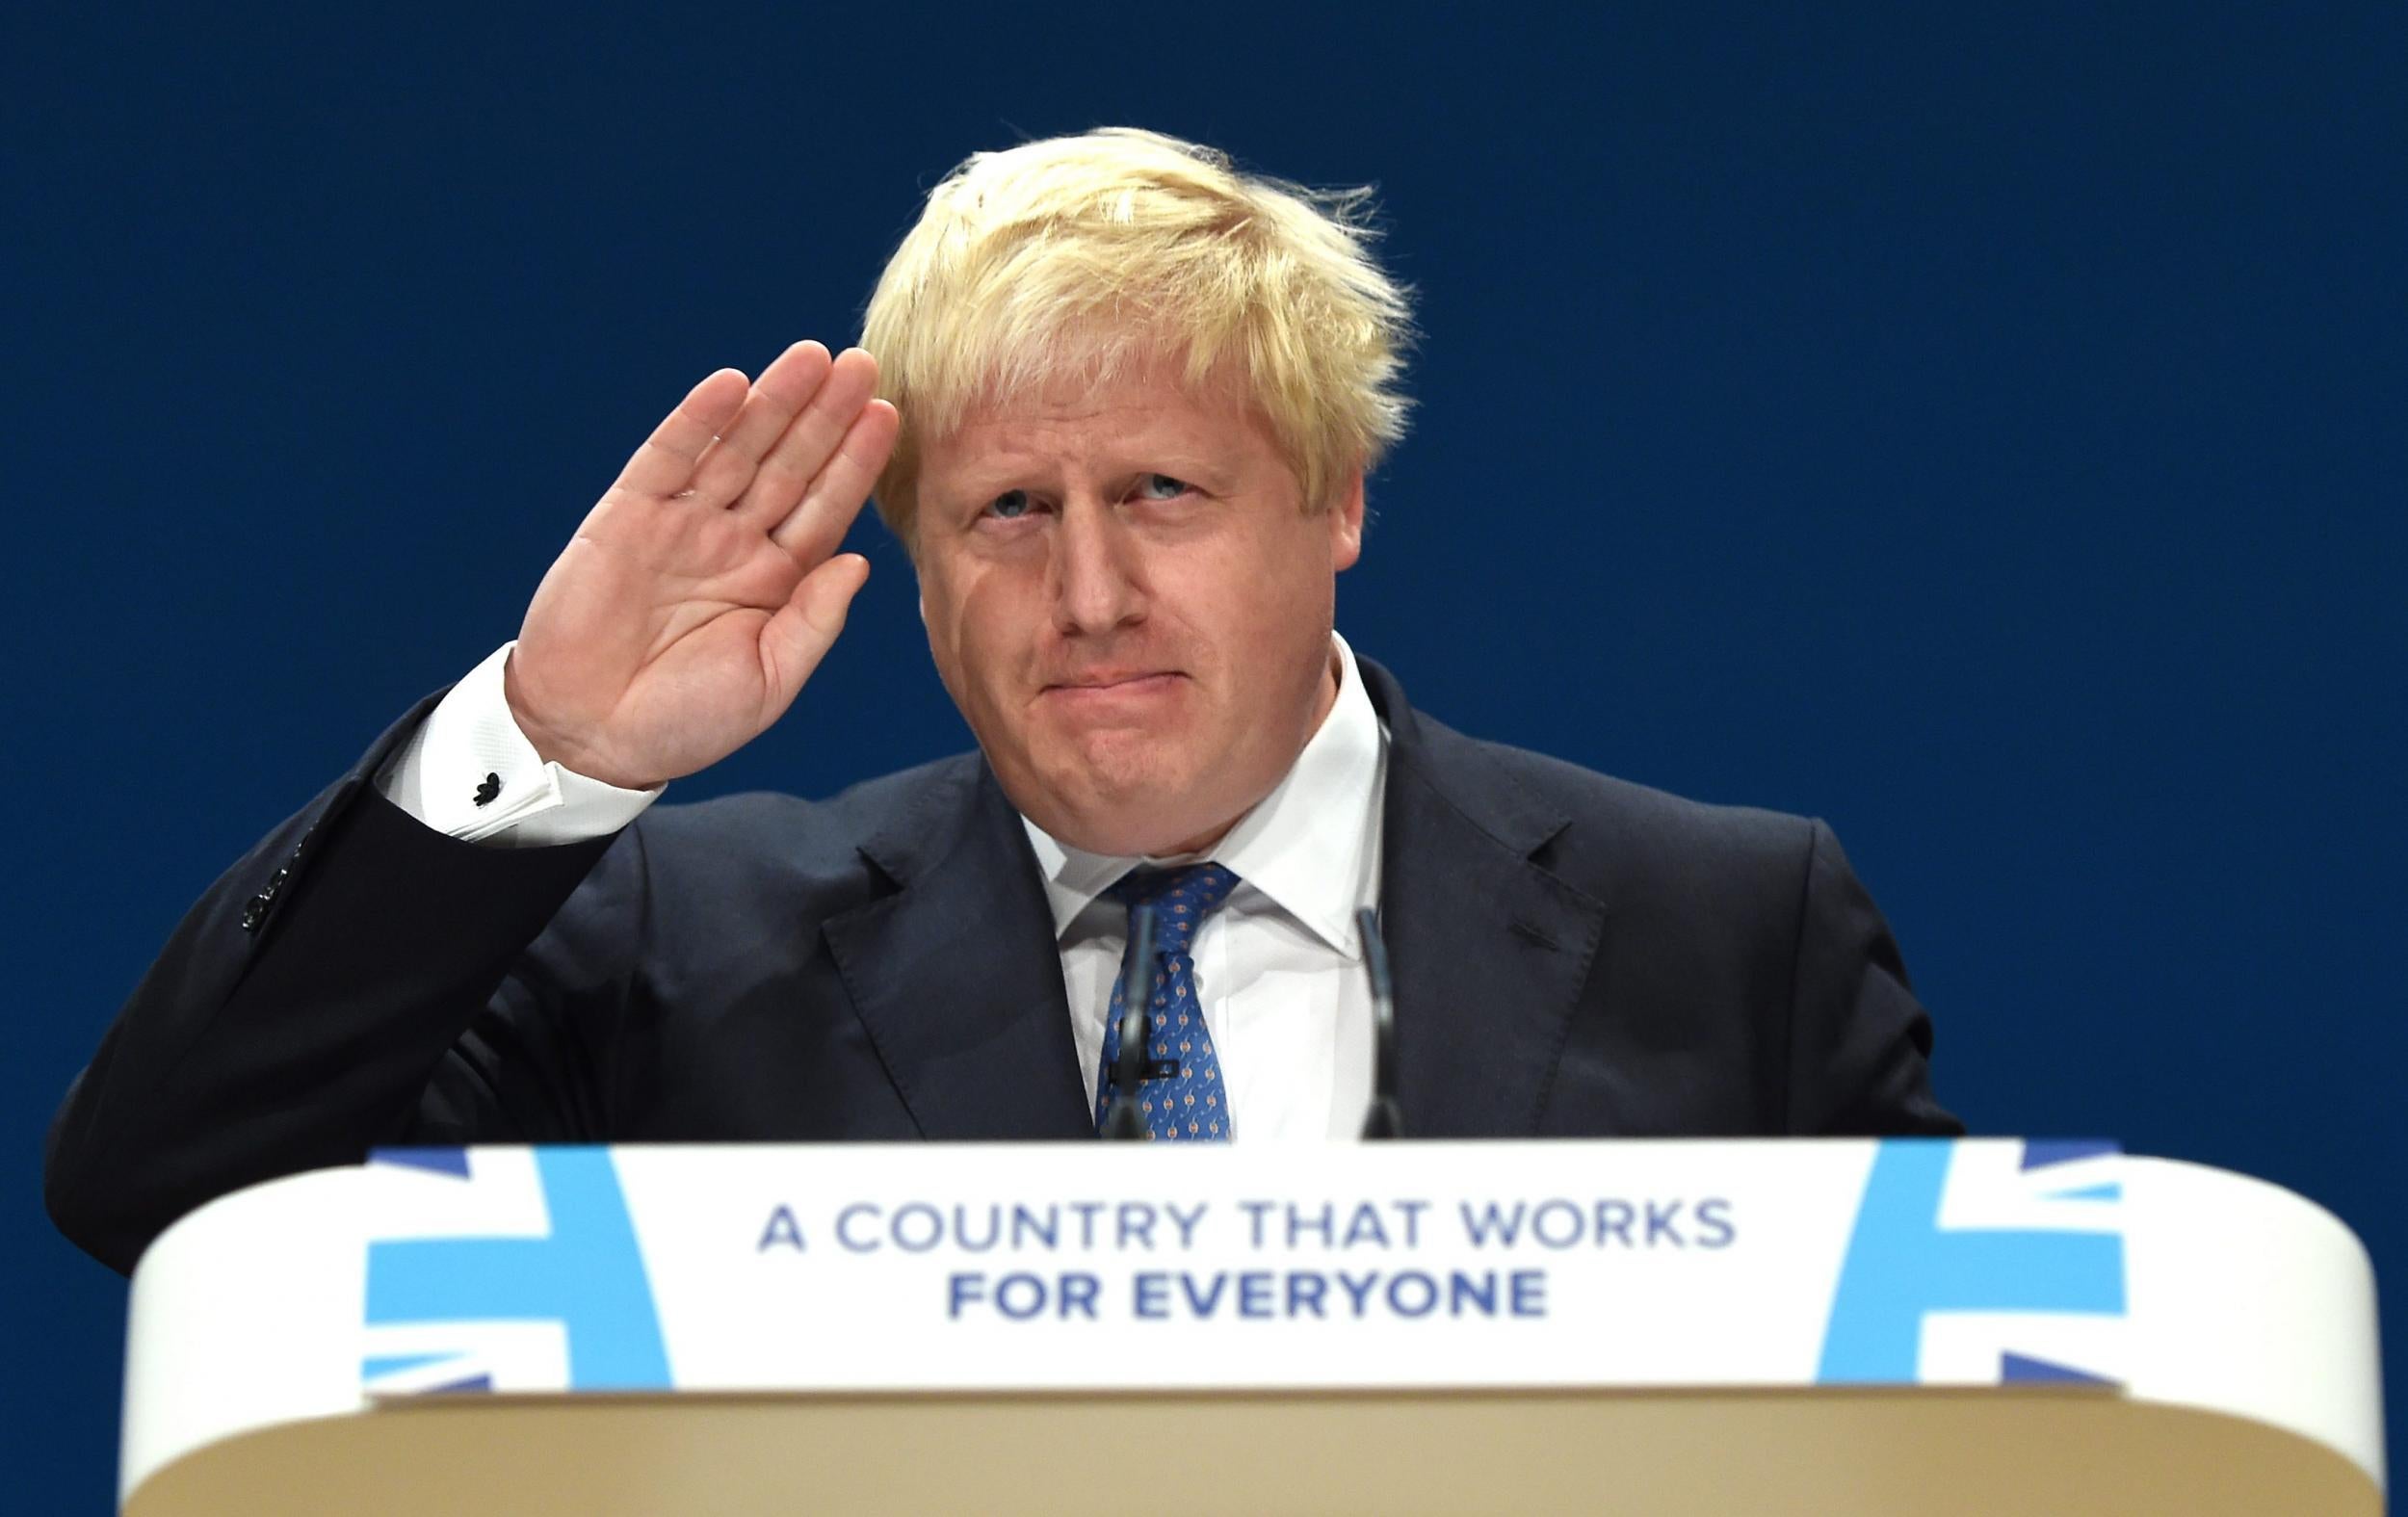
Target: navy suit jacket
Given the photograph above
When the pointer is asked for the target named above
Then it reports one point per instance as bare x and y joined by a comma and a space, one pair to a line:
1573, 955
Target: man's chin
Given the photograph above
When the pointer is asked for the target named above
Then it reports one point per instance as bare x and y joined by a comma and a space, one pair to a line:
1130, 821
1142, 832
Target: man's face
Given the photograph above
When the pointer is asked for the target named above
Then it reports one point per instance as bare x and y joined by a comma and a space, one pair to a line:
1129, 603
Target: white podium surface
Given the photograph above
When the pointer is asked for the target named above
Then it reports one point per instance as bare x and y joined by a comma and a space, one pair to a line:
1661, 1326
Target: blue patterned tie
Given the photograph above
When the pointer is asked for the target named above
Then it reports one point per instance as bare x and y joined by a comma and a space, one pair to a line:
1186, 1100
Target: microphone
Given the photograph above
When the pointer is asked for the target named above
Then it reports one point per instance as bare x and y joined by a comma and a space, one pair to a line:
1386, 1118
1122, 1120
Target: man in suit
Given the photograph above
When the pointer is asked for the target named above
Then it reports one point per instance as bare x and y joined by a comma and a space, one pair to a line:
1123, 406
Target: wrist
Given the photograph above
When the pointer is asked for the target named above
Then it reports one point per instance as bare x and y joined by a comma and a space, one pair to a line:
554, 748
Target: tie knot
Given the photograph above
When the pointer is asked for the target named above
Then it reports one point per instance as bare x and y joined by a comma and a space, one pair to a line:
1181, 898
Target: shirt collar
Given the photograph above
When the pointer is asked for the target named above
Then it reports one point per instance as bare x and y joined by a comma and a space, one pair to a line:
1310, 846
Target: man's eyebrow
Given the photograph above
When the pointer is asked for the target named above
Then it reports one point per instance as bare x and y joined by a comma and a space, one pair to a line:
1187, 457
1196, 469
1196, 464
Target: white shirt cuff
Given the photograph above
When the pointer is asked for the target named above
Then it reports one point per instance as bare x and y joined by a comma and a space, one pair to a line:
468, 772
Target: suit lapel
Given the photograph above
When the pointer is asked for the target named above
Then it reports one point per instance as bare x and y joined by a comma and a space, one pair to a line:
1489, 951
956, 976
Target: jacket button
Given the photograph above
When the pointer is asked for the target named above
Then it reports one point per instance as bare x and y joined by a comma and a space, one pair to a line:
254, 913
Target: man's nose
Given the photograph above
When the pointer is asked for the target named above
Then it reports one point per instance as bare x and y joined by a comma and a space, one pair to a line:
1097, 579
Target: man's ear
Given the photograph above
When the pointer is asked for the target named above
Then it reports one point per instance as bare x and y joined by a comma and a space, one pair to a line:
1345, 521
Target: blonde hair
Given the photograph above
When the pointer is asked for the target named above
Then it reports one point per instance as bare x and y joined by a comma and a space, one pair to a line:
1091, 253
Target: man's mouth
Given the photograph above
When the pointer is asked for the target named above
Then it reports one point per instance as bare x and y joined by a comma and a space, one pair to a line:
1110, 679
1113, 689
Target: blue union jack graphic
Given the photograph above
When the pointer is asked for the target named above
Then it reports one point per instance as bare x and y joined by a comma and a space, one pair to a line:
1901, 1265
585, 1274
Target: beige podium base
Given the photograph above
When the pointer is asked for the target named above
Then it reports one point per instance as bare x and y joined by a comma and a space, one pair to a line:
2059, 1453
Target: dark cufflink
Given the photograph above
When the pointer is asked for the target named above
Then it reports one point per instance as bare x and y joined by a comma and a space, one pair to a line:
491, 788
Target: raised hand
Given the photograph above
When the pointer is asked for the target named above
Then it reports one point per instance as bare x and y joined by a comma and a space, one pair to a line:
702, 590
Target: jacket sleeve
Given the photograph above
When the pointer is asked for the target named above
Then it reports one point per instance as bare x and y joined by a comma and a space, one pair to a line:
357, 978
1860, 1043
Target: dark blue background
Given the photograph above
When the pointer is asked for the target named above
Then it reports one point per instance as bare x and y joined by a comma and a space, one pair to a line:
1983, 430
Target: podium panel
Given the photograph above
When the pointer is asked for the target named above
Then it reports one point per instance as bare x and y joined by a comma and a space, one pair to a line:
1865, 1326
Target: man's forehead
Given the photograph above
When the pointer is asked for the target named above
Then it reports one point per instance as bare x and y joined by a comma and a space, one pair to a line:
1150, 403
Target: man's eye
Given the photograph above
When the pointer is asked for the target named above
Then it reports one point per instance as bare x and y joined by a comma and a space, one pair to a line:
1168, 486
1009, 506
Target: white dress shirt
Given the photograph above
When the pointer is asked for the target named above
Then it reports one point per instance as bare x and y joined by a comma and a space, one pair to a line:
1278, 967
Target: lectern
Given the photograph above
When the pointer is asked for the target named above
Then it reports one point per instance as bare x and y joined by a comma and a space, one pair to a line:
1843, 1326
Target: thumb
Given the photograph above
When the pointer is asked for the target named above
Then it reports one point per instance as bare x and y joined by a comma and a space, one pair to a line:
799, 636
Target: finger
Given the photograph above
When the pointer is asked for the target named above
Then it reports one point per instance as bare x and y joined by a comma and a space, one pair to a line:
827, 511
666, 462
802, 631
787, 473
784, 387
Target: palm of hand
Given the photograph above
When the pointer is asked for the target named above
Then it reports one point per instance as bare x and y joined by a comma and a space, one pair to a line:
700, 592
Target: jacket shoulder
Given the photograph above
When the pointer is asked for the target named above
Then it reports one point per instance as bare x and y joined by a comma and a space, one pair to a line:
1591, 828
1588, 792
1616, 839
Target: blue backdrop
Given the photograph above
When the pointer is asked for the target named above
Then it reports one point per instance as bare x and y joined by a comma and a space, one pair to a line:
1984, 431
